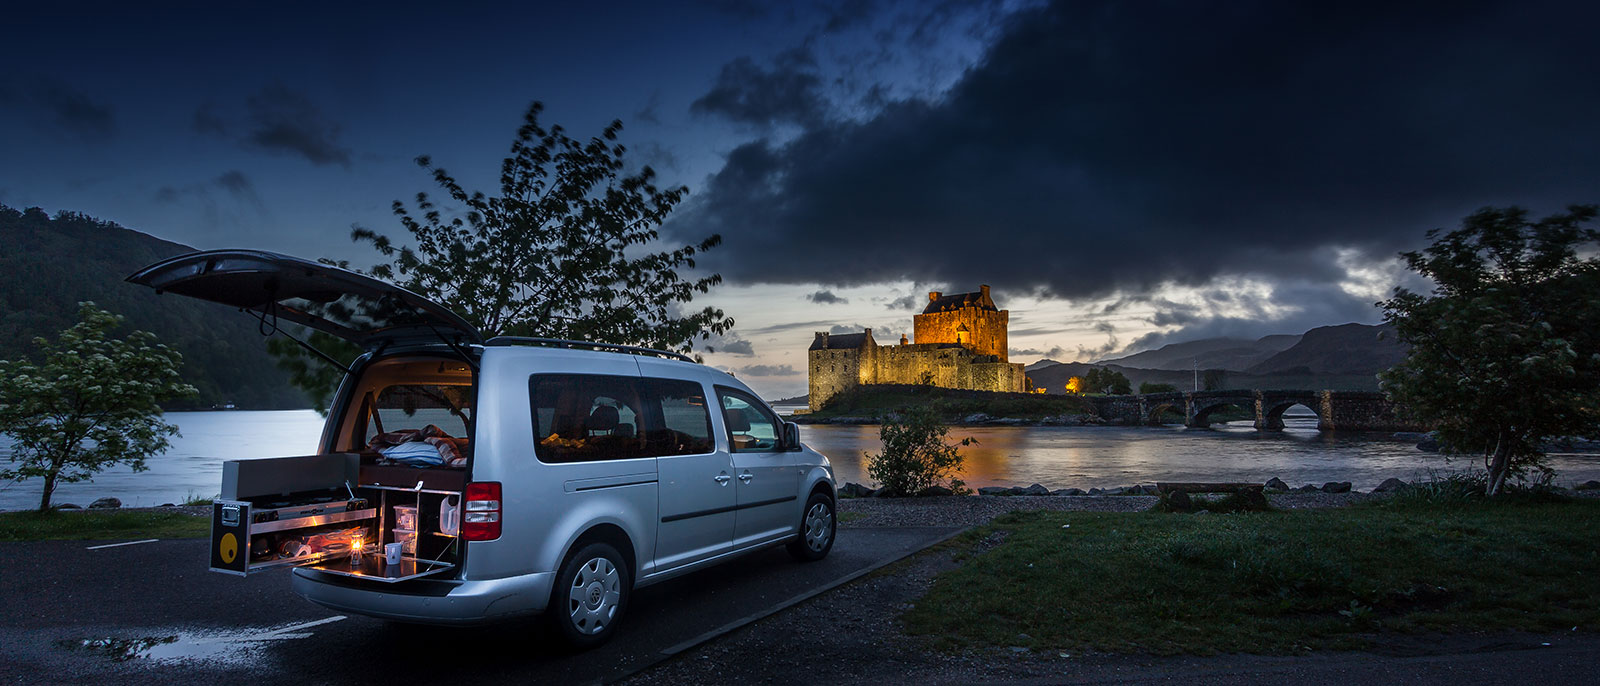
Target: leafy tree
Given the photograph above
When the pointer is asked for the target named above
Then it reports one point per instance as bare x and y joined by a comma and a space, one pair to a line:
567, 249
93, 402
1106, 381
1505, 351
1148, 387
1214, 379
915, 454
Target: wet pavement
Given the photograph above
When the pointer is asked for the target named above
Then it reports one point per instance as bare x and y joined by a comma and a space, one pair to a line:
151, 614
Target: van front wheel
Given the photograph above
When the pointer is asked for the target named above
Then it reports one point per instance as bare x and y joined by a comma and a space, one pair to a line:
590, 596
817, 527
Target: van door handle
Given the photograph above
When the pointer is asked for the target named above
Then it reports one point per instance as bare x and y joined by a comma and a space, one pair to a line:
746, 477
722, 478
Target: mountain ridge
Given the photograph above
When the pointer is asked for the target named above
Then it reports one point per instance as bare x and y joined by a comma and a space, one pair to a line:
54, 262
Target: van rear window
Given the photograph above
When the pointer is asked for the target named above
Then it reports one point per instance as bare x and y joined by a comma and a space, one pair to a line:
590, 417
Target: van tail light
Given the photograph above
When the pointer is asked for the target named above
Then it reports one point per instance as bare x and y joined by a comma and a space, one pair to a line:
480, 511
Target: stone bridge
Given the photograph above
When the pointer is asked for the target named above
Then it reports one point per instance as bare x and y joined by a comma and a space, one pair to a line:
1336, 410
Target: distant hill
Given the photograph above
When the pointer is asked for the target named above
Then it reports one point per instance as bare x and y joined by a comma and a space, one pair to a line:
1233, 354
1343, 349
1041, 364
50, 264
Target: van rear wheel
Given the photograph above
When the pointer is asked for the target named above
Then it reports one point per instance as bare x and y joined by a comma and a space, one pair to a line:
818, 524
590, 596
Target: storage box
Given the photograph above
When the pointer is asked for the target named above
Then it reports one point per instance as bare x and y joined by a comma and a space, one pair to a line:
407, 538
405, 517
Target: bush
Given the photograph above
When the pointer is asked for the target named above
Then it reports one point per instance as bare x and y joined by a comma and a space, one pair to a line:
1147, 387
915, 454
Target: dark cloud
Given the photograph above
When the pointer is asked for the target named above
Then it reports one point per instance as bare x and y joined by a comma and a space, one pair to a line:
1052, 353
789, 92
234, 181
767, 370
826, 298
737, 348
1111, 344
214, 212
284, 120
1099, 149
847, 14
63, 109
206, 120
909, 302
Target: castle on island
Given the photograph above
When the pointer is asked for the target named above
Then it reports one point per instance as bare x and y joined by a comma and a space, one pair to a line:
960, 343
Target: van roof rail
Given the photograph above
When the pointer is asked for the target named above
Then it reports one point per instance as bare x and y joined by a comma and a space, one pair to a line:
586, 345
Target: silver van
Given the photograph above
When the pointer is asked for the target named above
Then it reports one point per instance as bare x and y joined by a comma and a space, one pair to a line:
461, 480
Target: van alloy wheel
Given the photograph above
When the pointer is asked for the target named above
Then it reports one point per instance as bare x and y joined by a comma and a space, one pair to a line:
819, 527
594, 597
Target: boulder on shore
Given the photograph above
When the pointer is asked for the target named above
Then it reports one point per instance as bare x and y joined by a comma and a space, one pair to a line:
1275, 484
884, 492
854, 490
1068, 491
105, 504
1388, 485
1336, 487
975, 418
1309, 488
1035, 489
67, 506
1590, 485
935, 490
994, 490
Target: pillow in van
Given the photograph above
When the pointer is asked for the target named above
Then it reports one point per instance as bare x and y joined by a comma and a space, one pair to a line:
429, 446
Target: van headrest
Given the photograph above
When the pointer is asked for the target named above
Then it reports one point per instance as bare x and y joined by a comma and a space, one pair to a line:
602, 418
737, 421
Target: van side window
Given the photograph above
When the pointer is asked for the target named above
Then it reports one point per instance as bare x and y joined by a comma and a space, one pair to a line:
685, 420
751, 429
584, 417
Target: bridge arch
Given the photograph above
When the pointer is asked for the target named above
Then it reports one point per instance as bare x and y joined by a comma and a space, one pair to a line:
1200, 413
1159, 409
1271, 416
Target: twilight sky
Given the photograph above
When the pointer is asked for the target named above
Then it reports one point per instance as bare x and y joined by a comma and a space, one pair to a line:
1123, 174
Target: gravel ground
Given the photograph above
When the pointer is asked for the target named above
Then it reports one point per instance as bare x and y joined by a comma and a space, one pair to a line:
972, 510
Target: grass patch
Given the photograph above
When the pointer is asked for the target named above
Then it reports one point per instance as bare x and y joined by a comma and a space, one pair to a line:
194, 499
846, 517
85, 525
1274, 582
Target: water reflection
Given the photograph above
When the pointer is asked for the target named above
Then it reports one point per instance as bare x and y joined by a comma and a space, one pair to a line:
1090, 457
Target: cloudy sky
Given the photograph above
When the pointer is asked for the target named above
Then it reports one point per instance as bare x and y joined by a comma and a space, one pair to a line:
1124, 174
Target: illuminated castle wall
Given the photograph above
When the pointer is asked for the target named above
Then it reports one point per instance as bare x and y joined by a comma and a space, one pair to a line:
960, 343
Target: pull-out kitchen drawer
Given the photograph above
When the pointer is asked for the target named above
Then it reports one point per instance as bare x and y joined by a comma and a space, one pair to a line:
247, 538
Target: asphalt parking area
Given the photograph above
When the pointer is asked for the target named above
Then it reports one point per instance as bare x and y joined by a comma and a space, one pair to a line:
150, 613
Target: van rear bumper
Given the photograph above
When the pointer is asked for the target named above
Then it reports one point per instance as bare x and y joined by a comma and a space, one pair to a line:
431, 602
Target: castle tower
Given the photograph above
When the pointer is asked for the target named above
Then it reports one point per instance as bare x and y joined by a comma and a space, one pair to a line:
967, 319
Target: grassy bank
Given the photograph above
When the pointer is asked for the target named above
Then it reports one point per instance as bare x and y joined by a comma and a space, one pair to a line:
950, 404
100, 525
1273, 582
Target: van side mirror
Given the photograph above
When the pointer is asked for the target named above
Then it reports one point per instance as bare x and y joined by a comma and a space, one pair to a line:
791, 436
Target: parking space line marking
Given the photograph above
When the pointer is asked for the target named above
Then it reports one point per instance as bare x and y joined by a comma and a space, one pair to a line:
298, 627
113, 545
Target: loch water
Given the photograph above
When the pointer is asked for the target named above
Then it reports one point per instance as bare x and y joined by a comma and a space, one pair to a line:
1057, 457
